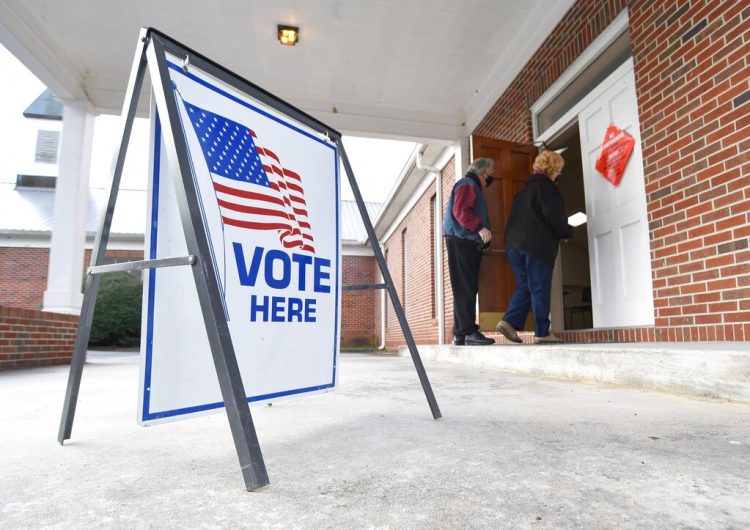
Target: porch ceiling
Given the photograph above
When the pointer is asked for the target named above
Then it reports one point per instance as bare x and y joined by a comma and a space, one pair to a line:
425, 70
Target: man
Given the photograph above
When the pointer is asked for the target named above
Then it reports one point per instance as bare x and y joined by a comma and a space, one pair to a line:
466, 229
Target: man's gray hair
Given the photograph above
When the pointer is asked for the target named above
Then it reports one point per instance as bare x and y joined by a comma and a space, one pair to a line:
480, 164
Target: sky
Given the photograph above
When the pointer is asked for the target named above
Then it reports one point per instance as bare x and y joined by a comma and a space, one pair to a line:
376, 163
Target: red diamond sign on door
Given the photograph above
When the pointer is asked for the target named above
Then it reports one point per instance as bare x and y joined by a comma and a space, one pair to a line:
614, 154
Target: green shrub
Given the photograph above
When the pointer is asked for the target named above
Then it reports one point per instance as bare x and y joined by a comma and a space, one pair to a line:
117, 315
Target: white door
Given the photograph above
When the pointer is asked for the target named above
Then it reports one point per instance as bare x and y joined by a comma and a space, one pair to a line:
619, 250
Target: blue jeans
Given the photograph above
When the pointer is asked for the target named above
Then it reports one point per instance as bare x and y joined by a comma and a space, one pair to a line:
533, 286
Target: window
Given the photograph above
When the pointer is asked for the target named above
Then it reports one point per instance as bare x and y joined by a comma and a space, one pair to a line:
403, 267
47, 143
35, 181
386, 298
596, 72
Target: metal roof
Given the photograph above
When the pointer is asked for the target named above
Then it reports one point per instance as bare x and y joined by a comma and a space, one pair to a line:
352, 226
45, 107
31, 210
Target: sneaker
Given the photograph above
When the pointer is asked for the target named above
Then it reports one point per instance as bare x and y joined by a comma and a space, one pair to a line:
477, 339
458, 341
548, 339
508, 331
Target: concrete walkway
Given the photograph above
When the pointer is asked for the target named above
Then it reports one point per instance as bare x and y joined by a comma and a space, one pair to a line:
510, 452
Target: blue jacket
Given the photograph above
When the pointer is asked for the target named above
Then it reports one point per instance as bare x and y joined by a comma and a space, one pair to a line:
451, 227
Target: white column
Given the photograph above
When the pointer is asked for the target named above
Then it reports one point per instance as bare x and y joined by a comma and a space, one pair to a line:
65, 271
463, 156
438, 241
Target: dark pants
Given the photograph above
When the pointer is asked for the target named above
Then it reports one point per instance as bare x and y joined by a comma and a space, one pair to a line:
464, 258
533, 287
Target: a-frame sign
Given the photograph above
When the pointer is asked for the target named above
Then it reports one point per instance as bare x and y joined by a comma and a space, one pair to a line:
209, 143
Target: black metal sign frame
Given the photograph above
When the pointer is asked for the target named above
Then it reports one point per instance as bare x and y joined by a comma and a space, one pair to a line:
151, 54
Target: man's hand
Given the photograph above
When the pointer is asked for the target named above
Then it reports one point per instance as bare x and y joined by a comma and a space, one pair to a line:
486, 235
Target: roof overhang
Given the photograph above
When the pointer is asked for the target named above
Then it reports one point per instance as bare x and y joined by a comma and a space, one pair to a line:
401, 69
410, 185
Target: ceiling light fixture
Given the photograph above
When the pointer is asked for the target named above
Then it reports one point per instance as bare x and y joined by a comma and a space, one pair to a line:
288, 35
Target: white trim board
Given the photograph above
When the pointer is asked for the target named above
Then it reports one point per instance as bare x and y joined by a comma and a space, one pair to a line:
594, 50
572, 115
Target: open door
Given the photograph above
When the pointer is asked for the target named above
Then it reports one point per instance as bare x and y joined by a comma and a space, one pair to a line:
619, 248
513, 163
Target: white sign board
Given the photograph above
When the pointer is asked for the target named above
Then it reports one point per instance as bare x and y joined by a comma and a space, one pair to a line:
269, 195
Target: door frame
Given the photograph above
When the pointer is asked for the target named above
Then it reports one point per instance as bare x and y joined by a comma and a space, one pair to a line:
571, 116
598, 46
560, 126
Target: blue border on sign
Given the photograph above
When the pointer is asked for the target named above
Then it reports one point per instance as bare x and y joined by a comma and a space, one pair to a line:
146, 414
152, 272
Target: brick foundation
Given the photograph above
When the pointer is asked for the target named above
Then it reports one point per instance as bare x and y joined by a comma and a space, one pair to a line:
35, 338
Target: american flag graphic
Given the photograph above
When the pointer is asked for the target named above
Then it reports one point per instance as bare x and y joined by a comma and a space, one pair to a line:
254, 190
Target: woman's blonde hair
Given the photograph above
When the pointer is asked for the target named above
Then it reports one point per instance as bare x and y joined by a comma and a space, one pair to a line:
548, 162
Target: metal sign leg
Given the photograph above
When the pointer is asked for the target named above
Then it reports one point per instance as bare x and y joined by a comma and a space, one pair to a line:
390, 287
137, 72
79, 357
204, 273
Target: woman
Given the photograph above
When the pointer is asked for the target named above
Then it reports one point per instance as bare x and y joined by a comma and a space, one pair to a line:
536, 224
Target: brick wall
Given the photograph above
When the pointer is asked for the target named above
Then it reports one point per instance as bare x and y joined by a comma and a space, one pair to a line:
358, 307
377, 301
35, 338
23, 276
393, 257
692, 70
23, 280
115, 256
418, 299
23, 273
510, 118
30, 337
420, 268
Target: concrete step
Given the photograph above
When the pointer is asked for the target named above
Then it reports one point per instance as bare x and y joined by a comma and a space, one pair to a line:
708, 369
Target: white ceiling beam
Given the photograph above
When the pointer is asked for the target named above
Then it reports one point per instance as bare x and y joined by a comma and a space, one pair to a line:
47, 65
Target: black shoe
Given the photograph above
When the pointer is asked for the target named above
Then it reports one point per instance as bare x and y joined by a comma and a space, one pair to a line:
458, 341
477, 339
